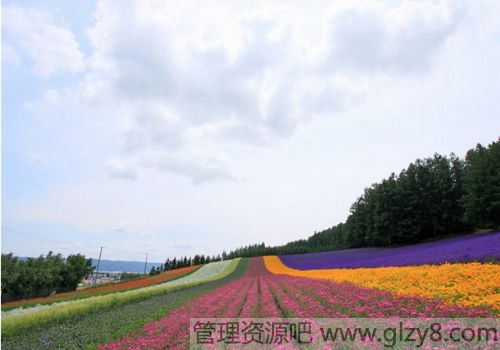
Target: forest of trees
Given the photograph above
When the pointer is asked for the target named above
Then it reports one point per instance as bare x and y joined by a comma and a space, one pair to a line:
42, 276
432, 197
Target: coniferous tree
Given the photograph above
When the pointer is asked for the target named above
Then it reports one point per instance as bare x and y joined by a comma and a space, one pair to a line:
432, 197
481, 181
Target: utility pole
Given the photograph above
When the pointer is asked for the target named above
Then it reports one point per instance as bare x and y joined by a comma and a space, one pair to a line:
145, 263
98, 263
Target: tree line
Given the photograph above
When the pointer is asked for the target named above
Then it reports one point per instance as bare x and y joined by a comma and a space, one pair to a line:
432, 197
172, 264
42, 276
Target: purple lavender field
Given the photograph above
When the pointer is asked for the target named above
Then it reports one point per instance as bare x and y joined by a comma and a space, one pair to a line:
476, 247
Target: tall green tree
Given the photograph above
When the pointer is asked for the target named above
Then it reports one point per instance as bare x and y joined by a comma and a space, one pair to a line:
76, 268
481, 183
34, 277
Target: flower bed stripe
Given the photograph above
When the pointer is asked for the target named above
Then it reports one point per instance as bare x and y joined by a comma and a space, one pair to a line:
104, 289
206, 271
475, 247
56, 312
104, 325
470, 284
282, 296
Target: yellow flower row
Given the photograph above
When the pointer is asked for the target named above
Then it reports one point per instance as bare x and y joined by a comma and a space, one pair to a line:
470, 284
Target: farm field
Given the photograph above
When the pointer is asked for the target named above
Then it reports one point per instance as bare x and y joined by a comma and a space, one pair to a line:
104, 289
103, 325
158, 316
448, 269
471, 284
259, 293
476, 247
21, 319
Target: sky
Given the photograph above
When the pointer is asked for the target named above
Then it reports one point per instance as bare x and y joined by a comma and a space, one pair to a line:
177, 128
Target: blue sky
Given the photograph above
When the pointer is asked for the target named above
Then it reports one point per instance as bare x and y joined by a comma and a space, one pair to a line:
181, 129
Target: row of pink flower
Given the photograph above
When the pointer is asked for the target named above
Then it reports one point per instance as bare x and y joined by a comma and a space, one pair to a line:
172, 331
348, 300
262, 294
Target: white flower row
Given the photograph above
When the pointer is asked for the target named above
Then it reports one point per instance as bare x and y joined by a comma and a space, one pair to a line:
25, 310
205, 272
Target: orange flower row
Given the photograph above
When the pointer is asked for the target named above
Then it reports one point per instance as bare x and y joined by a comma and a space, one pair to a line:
469, 284
105, 289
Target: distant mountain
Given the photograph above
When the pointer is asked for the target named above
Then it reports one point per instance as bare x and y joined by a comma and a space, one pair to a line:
119, 265
124, 266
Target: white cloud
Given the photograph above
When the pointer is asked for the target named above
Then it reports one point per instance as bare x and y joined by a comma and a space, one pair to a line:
52, 48
191, 80
178, 91
50, 100
404, 40
198, 169
121, 168
125, 227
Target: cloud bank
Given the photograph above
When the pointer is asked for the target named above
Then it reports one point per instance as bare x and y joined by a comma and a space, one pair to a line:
52, 48
194, 81
190, 82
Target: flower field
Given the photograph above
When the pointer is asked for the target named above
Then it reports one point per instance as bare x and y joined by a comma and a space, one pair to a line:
205, 272
19, 320
158, 316
260, 293
105, 289
102, 325
433, 270
471, 284
480, 247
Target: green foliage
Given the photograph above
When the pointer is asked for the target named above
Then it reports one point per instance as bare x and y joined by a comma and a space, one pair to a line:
102, 325
42, 276
130, 276
171, 264
15, 325
155, 271
482, 186
432, 197
75, 269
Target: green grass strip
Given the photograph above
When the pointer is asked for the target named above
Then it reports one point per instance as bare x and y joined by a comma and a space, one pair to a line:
20, 323
79, 296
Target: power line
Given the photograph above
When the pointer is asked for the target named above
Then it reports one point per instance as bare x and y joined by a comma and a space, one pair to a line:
26, 234
44, 238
